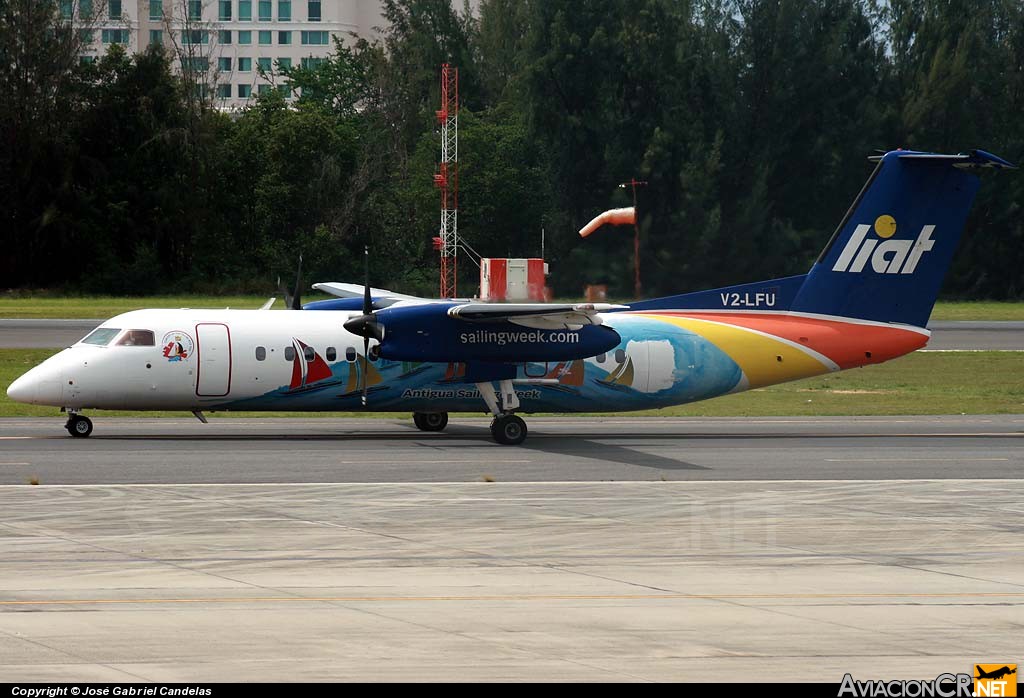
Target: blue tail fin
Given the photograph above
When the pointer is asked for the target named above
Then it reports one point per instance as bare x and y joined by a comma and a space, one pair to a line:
887, 259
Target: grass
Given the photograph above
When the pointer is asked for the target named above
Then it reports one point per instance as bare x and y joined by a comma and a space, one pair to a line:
103, 307
921, 383
986, 382
978, 310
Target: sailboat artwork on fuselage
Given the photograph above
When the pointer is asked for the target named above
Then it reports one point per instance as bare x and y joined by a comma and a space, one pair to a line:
620, 377
354, 384
309, 370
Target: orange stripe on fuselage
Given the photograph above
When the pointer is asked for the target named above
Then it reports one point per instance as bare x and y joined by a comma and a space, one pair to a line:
849, 344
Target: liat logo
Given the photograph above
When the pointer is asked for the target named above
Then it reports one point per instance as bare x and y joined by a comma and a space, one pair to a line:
887, 256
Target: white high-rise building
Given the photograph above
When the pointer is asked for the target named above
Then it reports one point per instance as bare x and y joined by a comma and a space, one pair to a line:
236, 46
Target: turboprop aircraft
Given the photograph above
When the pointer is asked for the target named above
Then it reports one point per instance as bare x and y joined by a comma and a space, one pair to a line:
865, 300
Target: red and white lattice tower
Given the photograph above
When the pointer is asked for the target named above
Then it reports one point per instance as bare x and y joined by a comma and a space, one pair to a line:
448, 178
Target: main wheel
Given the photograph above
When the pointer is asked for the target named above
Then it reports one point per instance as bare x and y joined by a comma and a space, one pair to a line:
78, 426
430, 421
509, 430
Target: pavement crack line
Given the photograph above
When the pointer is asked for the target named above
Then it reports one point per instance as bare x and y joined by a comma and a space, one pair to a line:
72, 655
51, 533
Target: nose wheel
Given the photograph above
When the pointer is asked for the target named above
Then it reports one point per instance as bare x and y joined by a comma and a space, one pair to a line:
78, 426
430, 421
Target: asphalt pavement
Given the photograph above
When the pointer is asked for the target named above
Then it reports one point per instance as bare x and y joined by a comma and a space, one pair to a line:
562, 449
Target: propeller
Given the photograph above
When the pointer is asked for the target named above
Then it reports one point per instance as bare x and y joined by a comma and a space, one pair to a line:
292, 301
366, 325
296, 303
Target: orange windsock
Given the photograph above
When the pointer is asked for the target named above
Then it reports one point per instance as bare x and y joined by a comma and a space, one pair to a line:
615, 216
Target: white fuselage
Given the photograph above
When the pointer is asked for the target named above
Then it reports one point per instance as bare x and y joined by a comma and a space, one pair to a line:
229, 355
307, 361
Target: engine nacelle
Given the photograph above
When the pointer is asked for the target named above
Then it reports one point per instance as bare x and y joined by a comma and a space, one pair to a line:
428, 333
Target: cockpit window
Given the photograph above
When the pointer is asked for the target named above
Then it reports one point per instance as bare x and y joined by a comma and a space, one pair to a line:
101, 337
137, 338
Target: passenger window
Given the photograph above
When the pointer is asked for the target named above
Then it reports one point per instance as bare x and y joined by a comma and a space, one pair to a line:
309, 353
137, 338
620, 356
350, 354
601, 358
331, 353
374, 353
289, 353
261, 353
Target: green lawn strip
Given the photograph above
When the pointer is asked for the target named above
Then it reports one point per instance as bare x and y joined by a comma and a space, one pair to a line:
103, 307
922, 383
978, 310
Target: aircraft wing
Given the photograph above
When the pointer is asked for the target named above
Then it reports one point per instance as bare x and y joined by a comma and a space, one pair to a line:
546, 316
342, 290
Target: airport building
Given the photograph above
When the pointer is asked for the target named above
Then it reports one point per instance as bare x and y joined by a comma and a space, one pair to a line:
235, 48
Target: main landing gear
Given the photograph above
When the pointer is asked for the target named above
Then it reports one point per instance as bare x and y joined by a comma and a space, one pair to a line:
507, 428
78, 426
430, 421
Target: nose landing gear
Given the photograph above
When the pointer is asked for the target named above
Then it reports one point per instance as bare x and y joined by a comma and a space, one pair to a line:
78, 426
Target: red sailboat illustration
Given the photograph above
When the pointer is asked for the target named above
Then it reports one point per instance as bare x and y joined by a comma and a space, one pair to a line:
308, 367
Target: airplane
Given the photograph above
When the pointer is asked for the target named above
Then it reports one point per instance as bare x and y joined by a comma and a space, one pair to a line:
865, 300
995, 674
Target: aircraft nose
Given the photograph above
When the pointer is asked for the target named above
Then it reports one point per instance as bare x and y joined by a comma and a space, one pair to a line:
40, 386
22, 389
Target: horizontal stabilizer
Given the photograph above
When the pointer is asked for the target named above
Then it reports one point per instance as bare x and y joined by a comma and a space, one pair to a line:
970, 159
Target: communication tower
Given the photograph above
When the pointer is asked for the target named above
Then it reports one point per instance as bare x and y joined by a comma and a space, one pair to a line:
447, 180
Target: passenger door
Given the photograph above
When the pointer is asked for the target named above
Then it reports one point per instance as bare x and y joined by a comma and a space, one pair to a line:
213, 347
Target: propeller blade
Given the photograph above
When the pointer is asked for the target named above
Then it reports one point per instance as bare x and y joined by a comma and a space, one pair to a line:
285, 293
367, 301
368, 323
366, 365
296, 299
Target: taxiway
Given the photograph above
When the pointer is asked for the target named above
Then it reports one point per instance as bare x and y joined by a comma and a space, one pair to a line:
604, 550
